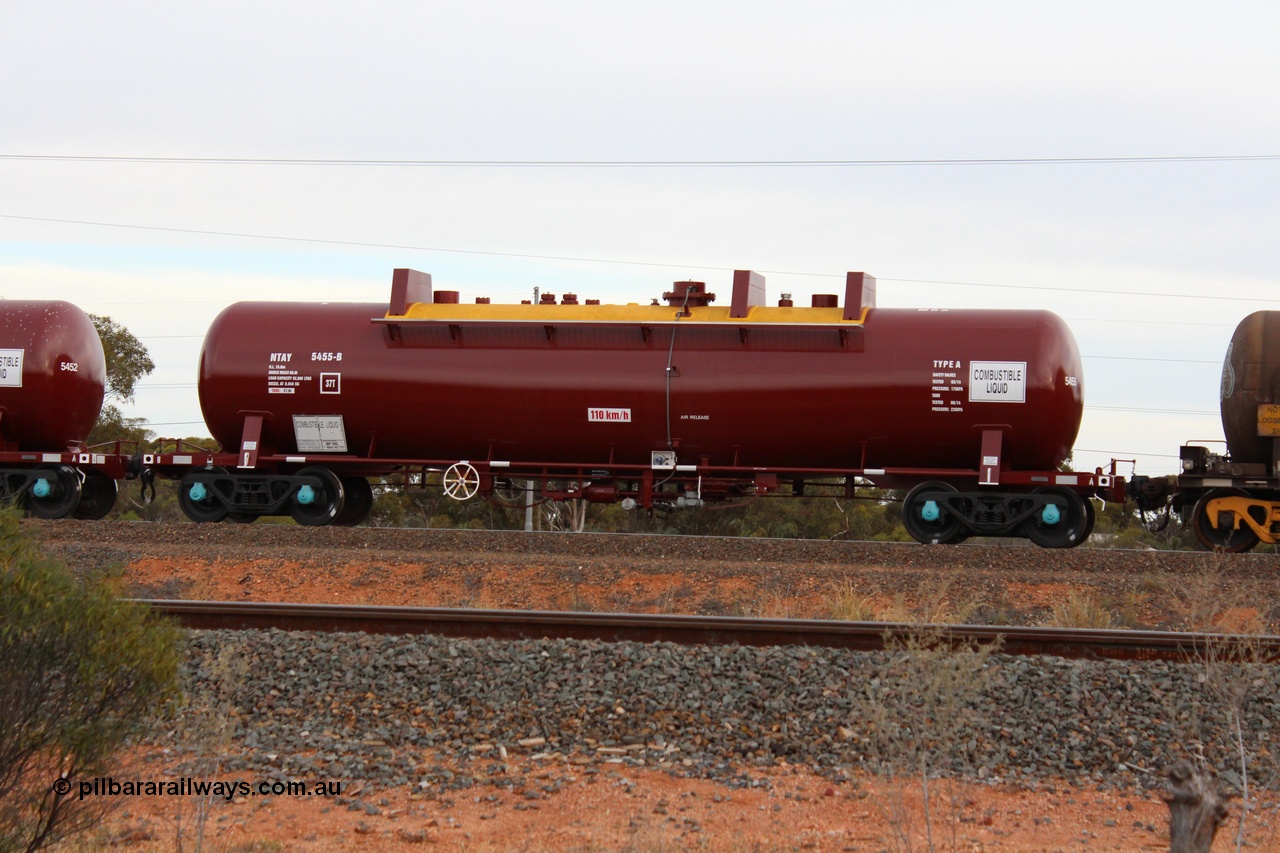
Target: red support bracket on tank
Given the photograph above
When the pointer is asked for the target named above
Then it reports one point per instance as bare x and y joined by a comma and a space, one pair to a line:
407, 287
859, 294
748, 292
766, 483
989, 464
250, 438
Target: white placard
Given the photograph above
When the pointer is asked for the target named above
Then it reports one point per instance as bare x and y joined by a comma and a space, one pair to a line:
998, 381
11, 368
320, 433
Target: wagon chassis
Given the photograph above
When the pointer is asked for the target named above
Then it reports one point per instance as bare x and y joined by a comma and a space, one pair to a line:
944, 506
79, 483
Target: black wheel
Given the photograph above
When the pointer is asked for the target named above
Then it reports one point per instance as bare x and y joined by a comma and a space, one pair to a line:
509, 493
928, 519
314, 507
97, 496
1062, 523
55, 494
1220, 533
357, 501
198, 502
243, 517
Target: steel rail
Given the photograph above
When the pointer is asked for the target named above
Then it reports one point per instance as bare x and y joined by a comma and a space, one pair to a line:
710, 630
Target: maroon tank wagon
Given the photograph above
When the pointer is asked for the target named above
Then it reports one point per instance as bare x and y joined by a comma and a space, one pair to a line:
673, 403
52, 382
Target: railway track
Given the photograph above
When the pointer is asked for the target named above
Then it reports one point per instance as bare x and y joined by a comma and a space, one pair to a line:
706, 630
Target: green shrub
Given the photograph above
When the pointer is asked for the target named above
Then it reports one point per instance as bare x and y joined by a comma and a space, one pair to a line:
80, 671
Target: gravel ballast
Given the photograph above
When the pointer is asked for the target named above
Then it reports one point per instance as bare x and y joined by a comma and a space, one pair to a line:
379, 709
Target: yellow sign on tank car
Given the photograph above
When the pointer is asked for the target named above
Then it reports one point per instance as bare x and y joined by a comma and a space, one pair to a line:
1269, 419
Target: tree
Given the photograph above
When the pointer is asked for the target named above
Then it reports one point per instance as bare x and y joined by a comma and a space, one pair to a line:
127, 362
127, 358
80, 671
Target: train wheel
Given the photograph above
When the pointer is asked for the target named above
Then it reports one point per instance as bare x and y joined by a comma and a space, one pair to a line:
314, 507
243, 517
55, 494
507, 492
1220, 534
97, 496
357, 501
1064, 523
198, 502
929, 521
1091, 518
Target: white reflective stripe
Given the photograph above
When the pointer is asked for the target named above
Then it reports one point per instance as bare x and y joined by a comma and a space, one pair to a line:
1066, 479
51, 457
295, 459
182, 460
499, 464
872, 471
686, 467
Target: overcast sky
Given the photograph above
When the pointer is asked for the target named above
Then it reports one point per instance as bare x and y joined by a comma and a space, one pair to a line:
1151, 262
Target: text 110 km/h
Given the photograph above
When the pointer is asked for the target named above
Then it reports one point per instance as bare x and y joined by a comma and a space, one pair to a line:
620, 416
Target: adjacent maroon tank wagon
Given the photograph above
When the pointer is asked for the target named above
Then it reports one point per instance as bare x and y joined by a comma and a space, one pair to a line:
52, 381
670, 403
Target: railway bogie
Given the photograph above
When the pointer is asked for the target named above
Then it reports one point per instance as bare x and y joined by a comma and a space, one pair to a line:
1052, 517
313, 496
1229, 506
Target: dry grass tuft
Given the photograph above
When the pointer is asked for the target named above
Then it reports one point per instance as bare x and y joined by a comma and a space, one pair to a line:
937, 601
850, 605
1080, 610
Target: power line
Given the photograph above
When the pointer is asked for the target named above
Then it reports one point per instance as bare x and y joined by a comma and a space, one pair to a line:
1114, 453
1073, 289
1148, 358
363, 245
1152, 411
639, 164
575, 259
1132, 321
